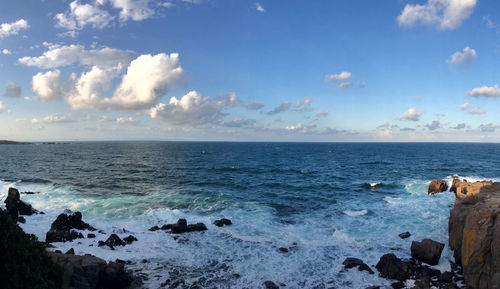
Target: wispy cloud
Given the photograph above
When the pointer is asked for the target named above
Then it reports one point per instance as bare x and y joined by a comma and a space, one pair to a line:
259, 7
281, 108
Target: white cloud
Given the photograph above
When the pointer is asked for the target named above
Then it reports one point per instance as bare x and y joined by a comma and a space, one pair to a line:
486, 91
12, 90
3, 108
410, 115
343, 76
8, 29
303, 102
146, 81
167, 4
136, 10
6, 51
81, 15
281, 108
259, 7
85, 93
322, 113
55, 118
476, 110
300, 128
444, 14
465, 57
46, 85
190, 110
125, 120
58, 56
464, 106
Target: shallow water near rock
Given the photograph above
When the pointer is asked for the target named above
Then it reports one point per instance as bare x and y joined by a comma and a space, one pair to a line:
323, 202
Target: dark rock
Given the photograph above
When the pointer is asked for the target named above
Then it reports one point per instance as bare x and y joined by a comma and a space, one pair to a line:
112, 241
427, 251
115, 276
437, 186
166, 227
373, 287
61, 228
270, 285
154, 228
30, 193
21, 219
130, 239
398, 285
90, 235
352, 262
70, 251
364, 267
62, 236
15, 206
391, 267
283, 250
446, 277
223, 222
196, 227
404, 235
180, 227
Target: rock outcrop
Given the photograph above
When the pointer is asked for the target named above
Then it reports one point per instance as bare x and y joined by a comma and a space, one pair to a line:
474, 232
427, 251
90, 272
15, 206
61, 229
437, 186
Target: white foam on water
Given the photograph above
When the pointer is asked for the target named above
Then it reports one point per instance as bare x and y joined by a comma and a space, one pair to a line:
355, 213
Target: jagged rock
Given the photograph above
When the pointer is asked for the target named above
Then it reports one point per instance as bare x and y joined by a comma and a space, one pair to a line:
112, 242
91, 272
15, 206
474, 233
166, 227
427, 251
223, 222
270, 285
154, 228
196, 227
355, 262
454, 184
180, 226
90, 235
130, 239
283, 250
70, 251
437, 186
391, 267
61, 229
404, 235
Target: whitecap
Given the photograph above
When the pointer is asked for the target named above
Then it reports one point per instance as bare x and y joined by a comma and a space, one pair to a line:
355, 213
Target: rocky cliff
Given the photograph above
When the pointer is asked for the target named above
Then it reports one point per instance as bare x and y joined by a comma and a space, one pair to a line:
474, 232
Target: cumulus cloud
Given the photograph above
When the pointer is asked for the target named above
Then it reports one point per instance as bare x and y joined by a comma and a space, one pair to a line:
433, 125
259, 7
465, 57
81, 15
322, 113
8, 29
281, 108
6, 51
410, 115
485, 91
303, 102
136, 10
55, 118
85, 92
444, 14
254, 105
12, 90
476, 110
47, 85
190, 110
343, 76
146, 81
300, 128
58, 56
3, 108
459, 126
464, 106
490, 127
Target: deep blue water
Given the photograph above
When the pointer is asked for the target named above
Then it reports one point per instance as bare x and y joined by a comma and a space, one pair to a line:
324, 201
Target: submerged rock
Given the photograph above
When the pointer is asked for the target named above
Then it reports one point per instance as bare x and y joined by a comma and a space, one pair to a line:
427, 251
270, 285
437, 186
283, 250
223, 222
61, 229
404, 235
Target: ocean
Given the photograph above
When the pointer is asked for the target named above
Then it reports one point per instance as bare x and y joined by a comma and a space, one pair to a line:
323, 201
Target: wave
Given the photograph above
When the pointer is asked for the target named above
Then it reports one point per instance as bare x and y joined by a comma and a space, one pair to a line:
355, 213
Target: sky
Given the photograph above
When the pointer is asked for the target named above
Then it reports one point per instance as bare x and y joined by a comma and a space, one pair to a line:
237, 70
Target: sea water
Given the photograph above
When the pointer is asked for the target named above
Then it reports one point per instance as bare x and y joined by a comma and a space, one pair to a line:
323, 201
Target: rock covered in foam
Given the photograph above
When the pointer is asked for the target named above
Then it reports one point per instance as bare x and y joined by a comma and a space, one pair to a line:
427, 251
437, 186
61, 229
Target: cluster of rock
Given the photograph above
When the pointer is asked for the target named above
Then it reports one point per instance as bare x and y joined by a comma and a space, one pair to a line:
114, 241
62, 229
16, 207
182, 226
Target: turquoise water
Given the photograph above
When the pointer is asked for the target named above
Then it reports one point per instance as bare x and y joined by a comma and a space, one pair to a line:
324, 202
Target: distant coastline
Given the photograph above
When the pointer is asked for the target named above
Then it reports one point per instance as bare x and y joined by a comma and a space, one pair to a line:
4, 142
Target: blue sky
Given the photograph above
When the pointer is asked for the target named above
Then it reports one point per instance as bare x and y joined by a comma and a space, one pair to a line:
250, 71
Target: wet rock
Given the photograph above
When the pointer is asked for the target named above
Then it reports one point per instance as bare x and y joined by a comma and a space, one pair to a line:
61, 229
437, 186
166, 227
90, 235
198, 227
283, 250
15, 206
223, 222
404, 235
130, 239
270, 285
70, 251
21, 219
398, 285
112, 242
30, 193
180, 227
446, 277
427, 251
154, 228
355, 262
391, 267
364, 267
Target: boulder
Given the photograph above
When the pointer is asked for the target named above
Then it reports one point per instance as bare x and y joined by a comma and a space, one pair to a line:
130, 239
166, 227
270, 285
154, 228
355, 262
15, 206
391, 267
404, 235
223, 222
61, 229
198, 227
427, 251
437, 186
283, 250
113, 241
180, 226
474, 233
90, 272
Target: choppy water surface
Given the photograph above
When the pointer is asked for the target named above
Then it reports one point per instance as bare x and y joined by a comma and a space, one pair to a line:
325, 202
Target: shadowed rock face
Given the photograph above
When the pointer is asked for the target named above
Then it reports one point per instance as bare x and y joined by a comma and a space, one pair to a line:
474, 233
